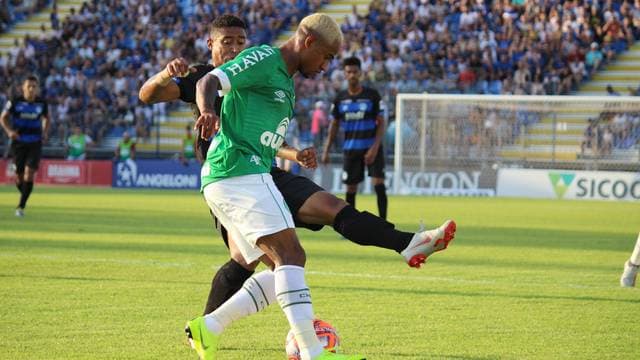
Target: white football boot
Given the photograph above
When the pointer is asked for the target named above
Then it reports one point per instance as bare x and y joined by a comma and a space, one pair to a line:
628, 278
425, 243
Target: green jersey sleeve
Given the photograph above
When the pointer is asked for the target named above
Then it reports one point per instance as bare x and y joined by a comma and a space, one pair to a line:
253, 66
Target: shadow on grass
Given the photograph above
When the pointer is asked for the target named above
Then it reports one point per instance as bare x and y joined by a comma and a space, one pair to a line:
482, 294
100, 279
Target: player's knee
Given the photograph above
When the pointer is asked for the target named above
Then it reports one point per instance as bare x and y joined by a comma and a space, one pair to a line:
332, 206
292, 254
237, 257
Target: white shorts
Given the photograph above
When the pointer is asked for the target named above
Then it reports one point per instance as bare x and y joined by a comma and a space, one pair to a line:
249, 207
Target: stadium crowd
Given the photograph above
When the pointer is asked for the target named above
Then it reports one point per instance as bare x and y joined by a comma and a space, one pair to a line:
12, 11
611, 130
98, 57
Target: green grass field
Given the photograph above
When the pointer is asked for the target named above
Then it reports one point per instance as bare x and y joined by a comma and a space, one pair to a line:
114, 274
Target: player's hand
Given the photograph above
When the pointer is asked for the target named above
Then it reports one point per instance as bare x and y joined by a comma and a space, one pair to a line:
45, 138
325, 157
307, 158
207, 123
13, 135
179, 67
370, 156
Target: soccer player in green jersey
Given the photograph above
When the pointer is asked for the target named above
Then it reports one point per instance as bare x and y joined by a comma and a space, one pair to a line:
77, 144
258, 103
188, 146
311, 206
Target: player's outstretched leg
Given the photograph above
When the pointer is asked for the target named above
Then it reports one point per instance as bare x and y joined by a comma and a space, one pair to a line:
425, 243
628, 278
202, 340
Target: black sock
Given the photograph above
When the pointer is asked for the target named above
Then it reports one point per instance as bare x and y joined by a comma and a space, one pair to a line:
19, 186
365, 228
351, 199
381, 194
225, 283
27, 186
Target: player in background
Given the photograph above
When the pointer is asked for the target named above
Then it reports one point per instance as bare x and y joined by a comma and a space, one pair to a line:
25, 119
630, 272
77, 144
126, 148
188, 146
357, 110
311, 206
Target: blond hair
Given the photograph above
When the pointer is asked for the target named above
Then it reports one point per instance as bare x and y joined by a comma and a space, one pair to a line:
323, 26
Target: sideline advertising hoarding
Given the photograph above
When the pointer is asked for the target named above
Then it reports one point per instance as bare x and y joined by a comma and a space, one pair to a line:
566, 184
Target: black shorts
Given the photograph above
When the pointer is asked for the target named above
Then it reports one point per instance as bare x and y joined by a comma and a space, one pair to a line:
295, 190
353, 168
26, 154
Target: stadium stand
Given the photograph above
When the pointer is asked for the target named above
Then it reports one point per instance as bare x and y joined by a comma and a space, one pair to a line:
96, 57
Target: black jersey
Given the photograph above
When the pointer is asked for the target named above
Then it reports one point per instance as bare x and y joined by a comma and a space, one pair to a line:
187, 86
26, 118
358, 118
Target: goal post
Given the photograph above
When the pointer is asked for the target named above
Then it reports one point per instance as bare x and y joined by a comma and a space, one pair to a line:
445, 130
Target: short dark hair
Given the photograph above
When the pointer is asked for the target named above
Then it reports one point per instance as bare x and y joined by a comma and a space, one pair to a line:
226, 21
31, 78
352, 61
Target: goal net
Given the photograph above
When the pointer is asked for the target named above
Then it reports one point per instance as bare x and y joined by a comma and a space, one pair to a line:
434, 132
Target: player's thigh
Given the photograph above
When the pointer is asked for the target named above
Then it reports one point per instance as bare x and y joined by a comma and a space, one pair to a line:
34, 153
376, 169
19, 156
353, 168
250, 207
321, 208
297, 192
283, 248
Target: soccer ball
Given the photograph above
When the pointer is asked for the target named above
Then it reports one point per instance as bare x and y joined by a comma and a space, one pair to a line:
327, 335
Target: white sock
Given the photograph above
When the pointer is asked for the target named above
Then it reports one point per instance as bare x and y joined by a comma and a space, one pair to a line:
257, 293
295, 300
635, 255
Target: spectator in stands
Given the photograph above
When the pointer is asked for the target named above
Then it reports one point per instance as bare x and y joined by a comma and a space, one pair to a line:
606, 144
611, 92
126, 148
589, 140
77, 144
634, 92
593, 59
319, 123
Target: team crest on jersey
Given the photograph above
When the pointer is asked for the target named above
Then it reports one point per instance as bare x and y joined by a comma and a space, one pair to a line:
275, 140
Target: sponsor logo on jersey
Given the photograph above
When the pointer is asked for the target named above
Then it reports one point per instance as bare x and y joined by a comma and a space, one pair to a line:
255, 159
280, 95
275, 140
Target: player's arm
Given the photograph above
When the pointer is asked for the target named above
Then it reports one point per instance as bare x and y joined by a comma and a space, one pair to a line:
133, 151
206, 89
370, 155
306, 158
334, 125
160, 87
4, 120
46, 124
